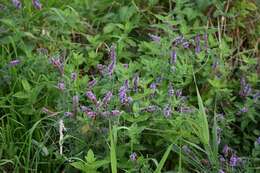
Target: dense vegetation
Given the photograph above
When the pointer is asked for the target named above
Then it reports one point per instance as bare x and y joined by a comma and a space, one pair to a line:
129, 86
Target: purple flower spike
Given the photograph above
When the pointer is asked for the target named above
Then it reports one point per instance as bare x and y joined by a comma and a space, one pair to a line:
167, 111
17, 4
68, 114
136, 83
197, 42
133, 156
178, 93
107, 98
155, 38
221, 171
37, 4
178, 40
245, 88
226, 150
150, 109
173, 57
115, 112
61, 86
14, 62
170, 90
92, 83
112, 65
186, 44
85, 108
123, 95
91, 114
234, 160
258, 140
153, 86
73, 76
91, 96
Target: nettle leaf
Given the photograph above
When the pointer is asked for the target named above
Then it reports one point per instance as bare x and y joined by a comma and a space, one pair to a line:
90, 158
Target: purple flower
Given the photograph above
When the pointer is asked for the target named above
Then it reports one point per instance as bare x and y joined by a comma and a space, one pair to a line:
91, 114
85, 109
150, 109
101, 68
75, 103
112, 65
91, 96
57, 64
234, 160
68, 114
258, 140
73, 76
14, 62
226, 150
92, 83
178, 40
221, 171
126, 84
222, 159
37, 4
153, 86
178, 93
256, 96
186, 44
170, 90
197, 42
123, 95
107, 98
136, 83
167, 111
243, 110
245, 88
115, 112
133, 156
218, 135
17, 4
155, 38
61, 86
173, 57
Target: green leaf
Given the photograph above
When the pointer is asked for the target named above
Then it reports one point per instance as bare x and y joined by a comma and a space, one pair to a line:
90, 158
21, 95
163, 160
26, 85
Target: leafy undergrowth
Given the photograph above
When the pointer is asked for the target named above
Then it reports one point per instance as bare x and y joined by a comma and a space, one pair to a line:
129, 86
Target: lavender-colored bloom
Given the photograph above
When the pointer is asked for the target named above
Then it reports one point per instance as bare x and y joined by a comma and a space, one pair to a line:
173, 57
57, 64
245, 88
91, 96
61, 86
85, 109
221, 171
186, 44
92, 83
258, 140
170, 90
112, 65
218, 135
136, 83
226, 150
101, 68
14, 62
105, 114
115, 112
123, 95
178, 40
234, 160
37, 4
75, 104
133, 156
153, 86
17, 4
243, 110
256, 96
155, 38
197, 42
222, 159
167, 111
178, 93
150, 109
91, 114
126, 84
68, 114
73, 76
126, 65
107, 98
